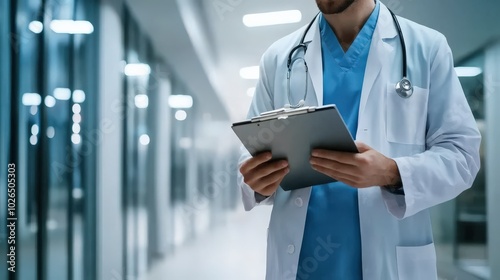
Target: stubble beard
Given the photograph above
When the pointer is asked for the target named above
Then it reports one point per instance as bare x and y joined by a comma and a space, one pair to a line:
329, 7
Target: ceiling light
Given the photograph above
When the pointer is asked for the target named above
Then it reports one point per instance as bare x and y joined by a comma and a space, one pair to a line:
77, 109
144, 139
251, 91
36, 27
32, 99
77, 118
468, 71
33, 140
76, 128
137, 69
50, 101
180, 101
250, 73
78, 96
272, 18
77, 193
72, 26
141, 101
180, 115
62, 93
76, 139
51, 132
35, 129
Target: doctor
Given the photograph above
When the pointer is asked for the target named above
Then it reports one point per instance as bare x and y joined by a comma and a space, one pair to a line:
417, 138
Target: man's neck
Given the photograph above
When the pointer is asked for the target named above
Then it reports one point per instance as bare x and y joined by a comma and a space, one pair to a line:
347, 24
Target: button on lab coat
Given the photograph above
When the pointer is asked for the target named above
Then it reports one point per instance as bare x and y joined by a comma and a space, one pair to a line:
432, 136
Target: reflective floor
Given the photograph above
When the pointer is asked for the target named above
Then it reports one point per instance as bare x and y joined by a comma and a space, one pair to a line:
235, 250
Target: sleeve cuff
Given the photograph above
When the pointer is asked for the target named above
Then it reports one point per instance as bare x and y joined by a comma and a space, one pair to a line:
397, 201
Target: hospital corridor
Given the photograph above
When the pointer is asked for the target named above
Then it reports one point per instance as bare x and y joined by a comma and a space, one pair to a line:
249, 140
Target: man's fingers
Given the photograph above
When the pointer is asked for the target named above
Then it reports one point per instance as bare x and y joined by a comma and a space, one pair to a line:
343, 157
362, 147
254, 176
335, 165
272, 178
255, 161
336, 174
271, 182
267, 168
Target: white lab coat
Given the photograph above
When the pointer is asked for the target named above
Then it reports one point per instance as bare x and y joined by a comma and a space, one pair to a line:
432, 136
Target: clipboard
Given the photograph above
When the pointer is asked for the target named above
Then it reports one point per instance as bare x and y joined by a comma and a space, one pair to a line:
292, 134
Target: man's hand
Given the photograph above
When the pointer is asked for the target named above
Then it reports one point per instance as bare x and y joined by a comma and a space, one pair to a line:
360, 170
262, 176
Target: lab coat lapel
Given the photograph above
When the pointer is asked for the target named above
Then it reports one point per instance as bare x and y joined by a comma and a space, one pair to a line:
380, 52
314, 60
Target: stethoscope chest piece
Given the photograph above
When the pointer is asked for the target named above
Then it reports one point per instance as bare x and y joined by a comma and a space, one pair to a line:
404, 88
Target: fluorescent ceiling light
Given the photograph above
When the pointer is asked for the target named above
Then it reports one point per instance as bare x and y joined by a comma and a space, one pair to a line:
251, 91
36, 27
78, 96
35, 129
72, 26
180, 115
77, 193
76, 108
76, 138
137, 69
468, 71
50, 101
141, 101
32, 99
33, 140
272, 18
51, 132
144, 139
76, 128
250, 73
62, 93
180, 101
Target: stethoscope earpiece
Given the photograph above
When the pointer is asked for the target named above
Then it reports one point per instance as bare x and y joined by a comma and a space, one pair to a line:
404, 88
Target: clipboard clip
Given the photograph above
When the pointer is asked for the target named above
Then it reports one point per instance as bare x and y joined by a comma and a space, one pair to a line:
282, 113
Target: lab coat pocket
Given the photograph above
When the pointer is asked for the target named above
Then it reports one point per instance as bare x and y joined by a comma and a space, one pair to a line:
417, 262
406, 117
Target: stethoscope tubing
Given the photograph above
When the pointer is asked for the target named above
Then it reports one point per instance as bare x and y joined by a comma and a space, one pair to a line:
403, 88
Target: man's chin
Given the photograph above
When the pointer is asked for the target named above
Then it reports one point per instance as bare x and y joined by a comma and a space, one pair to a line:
331, 7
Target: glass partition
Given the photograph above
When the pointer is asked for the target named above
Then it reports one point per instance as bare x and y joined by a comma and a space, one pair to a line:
470, 246
53, 79
460, 225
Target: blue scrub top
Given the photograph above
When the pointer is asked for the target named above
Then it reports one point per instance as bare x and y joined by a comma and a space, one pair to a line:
331, 246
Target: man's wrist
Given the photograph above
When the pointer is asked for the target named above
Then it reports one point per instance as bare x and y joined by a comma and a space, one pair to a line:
393, 177
394, 183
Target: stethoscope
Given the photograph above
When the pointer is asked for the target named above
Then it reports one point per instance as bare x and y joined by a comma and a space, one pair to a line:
403, 88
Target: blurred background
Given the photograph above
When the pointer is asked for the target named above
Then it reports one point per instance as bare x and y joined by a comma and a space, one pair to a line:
117, 116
